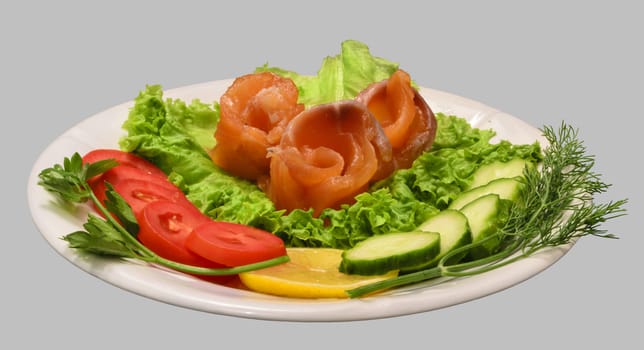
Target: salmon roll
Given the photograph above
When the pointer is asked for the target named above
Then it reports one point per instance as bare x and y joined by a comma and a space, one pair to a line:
328, 154
405, 116
254, 111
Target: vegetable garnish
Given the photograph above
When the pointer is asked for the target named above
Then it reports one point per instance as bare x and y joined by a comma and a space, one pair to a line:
554, 208
109, 236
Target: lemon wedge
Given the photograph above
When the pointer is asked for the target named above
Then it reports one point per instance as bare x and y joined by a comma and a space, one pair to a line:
310, 273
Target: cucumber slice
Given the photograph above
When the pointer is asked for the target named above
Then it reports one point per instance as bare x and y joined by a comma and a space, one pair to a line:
453, 227
506, 188
380, 254
497, 170
483, 217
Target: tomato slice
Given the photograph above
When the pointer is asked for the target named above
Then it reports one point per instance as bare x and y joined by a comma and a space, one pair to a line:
234, 244
138, 193
164, 227
124, 172
124, 158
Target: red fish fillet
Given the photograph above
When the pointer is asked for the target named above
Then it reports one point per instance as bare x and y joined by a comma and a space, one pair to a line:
254, 113
408, 122
327, 155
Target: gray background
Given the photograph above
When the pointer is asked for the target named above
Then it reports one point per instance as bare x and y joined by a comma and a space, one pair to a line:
62, 62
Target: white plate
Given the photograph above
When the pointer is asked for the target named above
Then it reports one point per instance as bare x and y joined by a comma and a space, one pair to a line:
103, 131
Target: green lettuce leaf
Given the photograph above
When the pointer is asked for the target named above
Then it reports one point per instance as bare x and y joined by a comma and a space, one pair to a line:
340, 77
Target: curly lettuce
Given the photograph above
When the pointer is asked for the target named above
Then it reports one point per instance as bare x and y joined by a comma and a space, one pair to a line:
173, 135
176, 136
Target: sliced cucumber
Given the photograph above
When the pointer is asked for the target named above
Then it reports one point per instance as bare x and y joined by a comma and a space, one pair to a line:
506, 188
483, 217
497, 170
380, 254
454, 230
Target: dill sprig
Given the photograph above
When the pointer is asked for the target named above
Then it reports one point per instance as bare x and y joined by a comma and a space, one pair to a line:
554, 208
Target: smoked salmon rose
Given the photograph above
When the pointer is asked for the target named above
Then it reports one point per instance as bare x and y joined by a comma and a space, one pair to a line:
327, 155
254, 112
408, 122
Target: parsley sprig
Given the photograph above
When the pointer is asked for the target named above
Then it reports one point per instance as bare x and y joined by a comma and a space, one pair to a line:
115, 234
555, 208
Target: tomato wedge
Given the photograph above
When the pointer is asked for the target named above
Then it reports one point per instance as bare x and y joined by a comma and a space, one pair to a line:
124, 158
164, 227
234, 244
